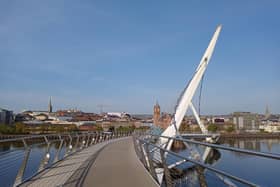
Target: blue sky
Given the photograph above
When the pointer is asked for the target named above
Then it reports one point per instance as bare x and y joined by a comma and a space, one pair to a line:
128, 54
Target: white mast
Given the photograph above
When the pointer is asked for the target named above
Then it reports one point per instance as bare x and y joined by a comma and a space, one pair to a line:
186, 98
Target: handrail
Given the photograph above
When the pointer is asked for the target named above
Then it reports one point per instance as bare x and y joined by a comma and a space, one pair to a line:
203, 165
153, 156
245, 151
71, 142
39, 136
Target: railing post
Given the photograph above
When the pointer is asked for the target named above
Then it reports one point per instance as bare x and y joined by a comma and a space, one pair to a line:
100, 138
144, 160
136, 148
151, 164
22, 168
69, 147
94, 139
167, 175
83, 141
46, 157
77, 143
88, 139
56, 158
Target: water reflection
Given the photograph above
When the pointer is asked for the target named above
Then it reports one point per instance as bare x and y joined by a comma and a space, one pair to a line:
259, 170
188, 174
11, 157
262, 171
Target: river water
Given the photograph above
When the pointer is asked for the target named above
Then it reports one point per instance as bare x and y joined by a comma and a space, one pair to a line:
262, 171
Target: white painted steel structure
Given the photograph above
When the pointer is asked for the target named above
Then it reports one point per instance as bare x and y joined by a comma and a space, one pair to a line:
185, 101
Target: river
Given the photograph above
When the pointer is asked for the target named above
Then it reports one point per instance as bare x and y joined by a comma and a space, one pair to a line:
262, 171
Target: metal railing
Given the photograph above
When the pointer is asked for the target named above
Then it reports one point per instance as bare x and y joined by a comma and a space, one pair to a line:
19, 156
160, 161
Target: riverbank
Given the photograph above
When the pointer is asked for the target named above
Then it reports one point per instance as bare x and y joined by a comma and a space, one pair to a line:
250, 135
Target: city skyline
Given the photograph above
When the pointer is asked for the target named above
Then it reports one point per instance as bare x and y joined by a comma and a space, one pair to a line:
86, 54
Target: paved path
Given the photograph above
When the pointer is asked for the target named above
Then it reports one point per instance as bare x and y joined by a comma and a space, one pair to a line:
111, 163
117, 165
69, 171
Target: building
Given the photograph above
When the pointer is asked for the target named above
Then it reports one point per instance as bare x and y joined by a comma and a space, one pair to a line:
50, 106
267, 113
40, 115
245, 121
161, 120
6, 116
270, 123
218, 120
156, 115
270, 128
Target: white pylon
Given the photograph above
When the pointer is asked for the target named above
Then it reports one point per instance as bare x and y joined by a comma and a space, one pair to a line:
186, 98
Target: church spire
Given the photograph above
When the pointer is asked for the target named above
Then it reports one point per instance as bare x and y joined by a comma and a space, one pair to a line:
267, 113
50, 105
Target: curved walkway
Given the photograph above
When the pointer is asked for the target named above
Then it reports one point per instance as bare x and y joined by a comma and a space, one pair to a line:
110, 163
118, 165
69, 171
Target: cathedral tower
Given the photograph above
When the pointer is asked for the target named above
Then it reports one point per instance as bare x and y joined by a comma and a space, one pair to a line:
156, 116
267, 113
50, 106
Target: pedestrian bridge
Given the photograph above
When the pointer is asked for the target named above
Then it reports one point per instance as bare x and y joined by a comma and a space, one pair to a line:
110, 163
106, 159
88, 159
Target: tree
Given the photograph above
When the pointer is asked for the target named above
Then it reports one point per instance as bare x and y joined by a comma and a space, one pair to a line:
6, 129
99, 128
111, 129
20, 128
184, 127
230, 129
212, 127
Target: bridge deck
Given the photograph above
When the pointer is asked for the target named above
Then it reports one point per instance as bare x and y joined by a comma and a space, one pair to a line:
118, 165
111, 163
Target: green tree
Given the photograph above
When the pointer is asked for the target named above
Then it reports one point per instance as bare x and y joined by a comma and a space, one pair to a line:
7, 129
230, 129
99, 128
212, 127
20, 128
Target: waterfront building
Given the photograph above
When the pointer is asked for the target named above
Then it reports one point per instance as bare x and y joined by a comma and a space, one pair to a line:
40, 114
218, 120
270, 127
162, 120
6, 116
245, 121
